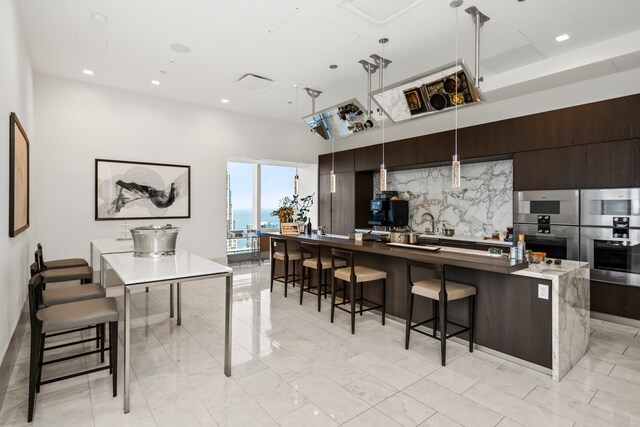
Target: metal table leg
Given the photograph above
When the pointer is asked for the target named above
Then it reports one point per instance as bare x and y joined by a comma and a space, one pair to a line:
179, 304
127, 346
103, 272
227, 324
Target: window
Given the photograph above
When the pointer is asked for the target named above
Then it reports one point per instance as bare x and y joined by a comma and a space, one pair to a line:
244, 181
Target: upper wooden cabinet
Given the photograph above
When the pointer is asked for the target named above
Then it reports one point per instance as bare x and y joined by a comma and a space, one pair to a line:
343, 161
556, 168
612, 164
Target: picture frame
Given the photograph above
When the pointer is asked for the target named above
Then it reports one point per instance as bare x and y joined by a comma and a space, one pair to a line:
18, 177
128, 190
289, 228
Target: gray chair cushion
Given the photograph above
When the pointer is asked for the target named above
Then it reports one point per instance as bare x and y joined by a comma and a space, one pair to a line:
63, 295
78, 314
363, 274
67, 274
430, 288
65, 263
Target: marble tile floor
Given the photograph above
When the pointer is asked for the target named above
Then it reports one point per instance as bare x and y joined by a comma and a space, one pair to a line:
292, 367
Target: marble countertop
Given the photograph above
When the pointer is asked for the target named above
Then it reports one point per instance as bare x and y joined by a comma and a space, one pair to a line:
551, 271
459, 237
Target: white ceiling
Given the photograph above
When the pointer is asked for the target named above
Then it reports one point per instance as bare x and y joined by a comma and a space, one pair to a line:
295, 41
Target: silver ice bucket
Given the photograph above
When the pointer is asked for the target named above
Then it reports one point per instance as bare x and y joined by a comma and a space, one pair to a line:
154, 240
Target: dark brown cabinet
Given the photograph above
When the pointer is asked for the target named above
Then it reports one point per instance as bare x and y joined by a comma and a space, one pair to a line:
556, 168
343, 204
612, 164
324, 202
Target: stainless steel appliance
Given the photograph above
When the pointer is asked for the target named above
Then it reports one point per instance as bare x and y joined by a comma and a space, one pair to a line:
552, 207
387, 212
613, 253
615, 207
154, 241
558, 241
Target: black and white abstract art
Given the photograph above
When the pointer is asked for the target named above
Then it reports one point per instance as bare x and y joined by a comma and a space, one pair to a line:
134, 190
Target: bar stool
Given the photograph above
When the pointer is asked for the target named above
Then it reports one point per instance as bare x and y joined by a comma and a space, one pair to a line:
440, 292
313, 259
58, 263
286, 256
62, 317
354, 275
83, 274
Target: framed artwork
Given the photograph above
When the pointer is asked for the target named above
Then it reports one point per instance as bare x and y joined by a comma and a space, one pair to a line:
18, 177
137, 190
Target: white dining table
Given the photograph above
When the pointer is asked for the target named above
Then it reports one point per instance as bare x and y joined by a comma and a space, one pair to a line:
182, 267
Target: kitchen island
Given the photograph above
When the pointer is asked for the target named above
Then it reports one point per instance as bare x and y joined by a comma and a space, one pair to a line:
537, 315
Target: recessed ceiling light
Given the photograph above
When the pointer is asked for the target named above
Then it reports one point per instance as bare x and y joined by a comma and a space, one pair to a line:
562, 37
224, 100
180, 48
163, 71
87, 72
99, 18
155, 82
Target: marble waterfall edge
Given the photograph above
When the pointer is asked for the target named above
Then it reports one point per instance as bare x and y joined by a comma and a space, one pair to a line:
484, 202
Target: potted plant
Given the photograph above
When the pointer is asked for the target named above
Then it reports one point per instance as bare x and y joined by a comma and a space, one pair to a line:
295, 205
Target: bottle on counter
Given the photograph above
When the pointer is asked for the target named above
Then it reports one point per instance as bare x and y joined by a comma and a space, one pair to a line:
521, 248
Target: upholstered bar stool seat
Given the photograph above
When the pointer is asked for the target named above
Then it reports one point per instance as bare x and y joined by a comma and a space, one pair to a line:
78, 314
325, 262
363, 274
67, 294
293, 256
431, 289
65, 263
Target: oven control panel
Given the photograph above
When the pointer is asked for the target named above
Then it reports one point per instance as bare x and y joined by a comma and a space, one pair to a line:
620, 221
544, 229
621, 233
544, 219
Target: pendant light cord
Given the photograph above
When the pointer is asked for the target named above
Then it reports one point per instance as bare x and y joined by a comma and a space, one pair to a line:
333, 139
455, 97
381, 110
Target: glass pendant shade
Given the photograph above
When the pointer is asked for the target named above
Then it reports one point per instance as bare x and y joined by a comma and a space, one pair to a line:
383, 178
296, 180
455, 171
332, 182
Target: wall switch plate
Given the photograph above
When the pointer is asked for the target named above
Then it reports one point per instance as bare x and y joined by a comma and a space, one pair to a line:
543, 291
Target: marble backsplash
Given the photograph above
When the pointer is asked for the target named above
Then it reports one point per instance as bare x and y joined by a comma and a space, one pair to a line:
483, 203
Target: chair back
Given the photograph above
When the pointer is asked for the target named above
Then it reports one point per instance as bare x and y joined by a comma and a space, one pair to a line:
33, 269
347, 256
36, 301
311, 250
39, 258
275, 242
438, 268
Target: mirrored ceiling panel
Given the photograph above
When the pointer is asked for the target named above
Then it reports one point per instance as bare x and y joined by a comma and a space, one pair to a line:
344, 119
428, 93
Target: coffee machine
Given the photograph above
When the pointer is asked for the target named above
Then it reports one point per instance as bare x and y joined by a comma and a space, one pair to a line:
389, 212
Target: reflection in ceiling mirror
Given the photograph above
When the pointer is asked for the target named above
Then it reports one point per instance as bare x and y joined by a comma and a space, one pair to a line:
344, 119
428, 93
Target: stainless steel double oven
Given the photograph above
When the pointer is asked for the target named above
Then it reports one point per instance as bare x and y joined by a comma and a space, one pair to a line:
549, 221
610, 234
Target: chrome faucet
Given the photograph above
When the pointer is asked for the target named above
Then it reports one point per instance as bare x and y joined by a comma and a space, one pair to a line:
433, 222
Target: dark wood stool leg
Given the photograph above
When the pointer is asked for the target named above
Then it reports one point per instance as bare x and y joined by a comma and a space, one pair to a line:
102, 339
408, 316
326, 283
33, 369
320, 287
361, 297
384, 299
352, 296
434, 307
443, 328
40, 361
273, 268
286, 275
302, 284
333, 295
472, 309
97, 336
113, 355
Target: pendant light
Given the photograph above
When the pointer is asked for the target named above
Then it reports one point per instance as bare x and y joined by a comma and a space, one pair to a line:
455, 162
332, 175
296, 179
383, 169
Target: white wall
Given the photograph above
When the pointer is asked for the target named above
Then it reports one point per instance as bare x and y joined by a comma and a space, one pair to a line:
79, 122
16, 94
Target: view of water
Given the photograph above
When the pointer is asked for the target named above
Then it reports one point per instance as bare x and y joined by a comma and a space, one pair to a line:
244, 219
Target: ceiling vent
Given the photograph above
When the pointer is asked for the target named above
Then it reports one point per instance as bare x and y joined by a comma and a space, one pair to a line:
256, 82
380, 11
